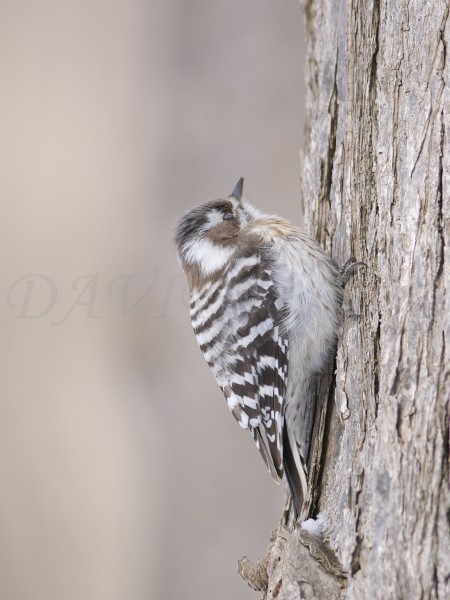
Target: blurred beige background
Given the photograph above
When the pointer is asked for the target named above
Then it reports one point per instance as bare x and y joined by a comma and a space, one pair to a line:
123, 476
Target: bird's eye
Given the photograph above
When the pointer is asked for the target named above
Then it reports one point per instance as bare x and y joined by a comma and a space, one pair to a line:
228, 215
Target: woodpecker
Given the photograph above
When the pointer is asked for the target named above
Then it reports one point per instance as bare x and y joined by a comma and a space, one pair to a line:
266, 307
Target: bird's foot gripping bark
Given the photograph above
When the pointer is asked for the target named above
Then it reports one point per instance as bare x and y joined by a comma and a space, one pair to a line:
345, 273
349, 269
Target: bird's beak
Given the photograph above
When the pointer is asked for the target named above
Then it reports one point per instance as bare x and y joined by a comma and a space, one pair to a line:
237, 192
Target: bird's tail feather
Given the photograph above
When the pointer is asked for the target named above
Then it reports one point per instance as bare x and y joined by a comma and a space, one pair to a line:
295, 472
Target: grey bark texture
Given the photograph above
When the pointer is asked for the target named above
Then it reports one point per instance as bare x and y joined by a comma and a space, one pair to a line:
376, 185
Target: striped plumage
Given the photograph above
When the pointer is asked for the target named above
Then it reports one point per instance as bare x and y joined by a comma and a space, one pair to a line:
265, 309
235, 319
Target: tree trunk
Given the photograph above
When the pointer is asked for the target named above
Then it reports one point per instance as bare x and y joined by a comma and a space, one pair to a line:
375, 185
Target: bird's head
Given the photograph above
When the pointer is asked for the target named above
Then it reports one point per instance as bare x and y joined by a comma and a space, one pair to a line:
207, 235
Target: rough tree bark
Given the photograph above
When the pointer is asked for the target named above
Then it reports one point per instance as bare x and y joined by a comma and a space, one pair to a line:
376, 178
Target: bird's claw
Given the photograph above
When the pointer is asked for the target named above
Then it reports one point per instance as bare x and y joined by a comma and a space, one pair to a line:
349, 268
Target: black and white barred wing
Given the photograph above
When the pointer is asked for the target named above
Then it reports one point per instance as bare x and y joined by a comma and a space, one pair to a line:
236, 324
257, 388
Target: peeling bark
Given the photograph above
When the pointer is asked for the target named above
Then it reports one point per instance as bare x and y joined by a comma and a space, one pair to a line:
375, 185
